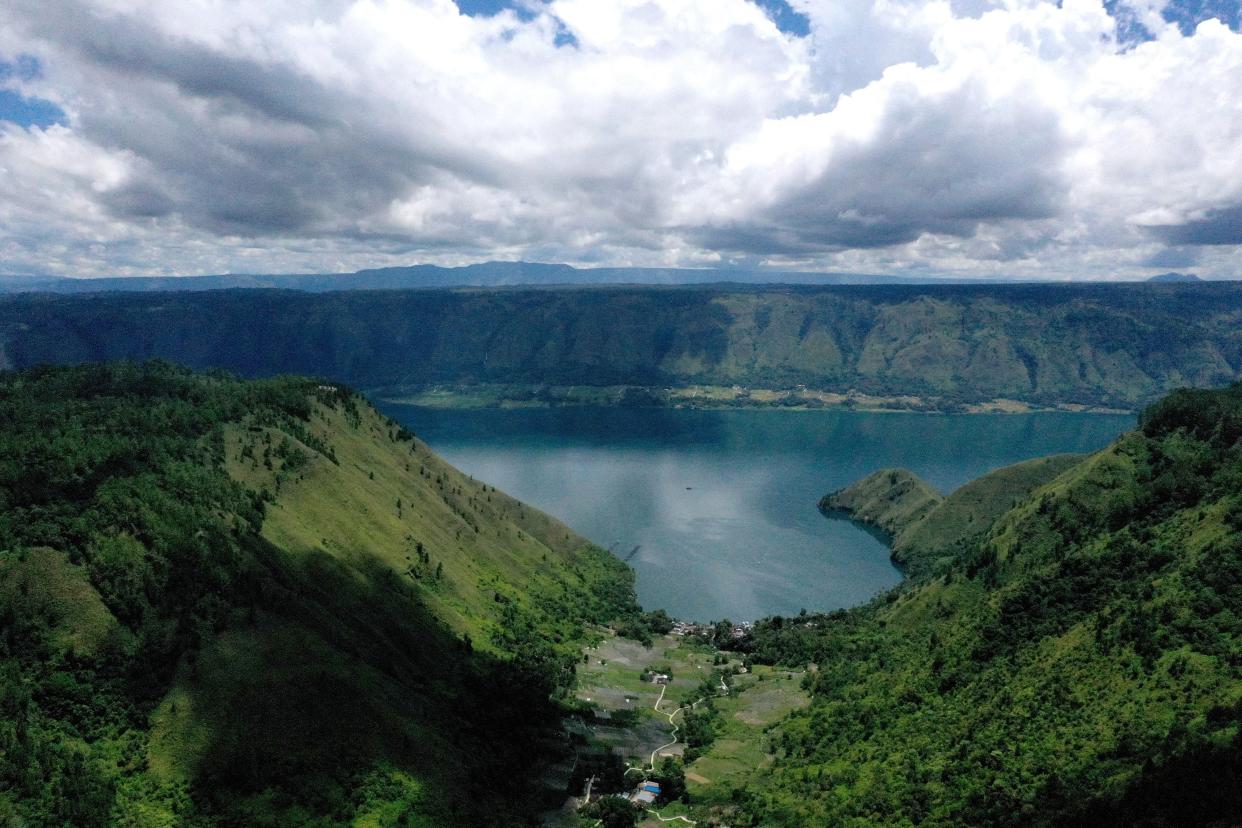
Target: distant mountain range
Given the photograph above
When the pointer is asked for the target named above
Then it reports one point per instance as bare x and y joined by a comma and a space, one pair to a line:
1175, 277
1112, 345
485, 274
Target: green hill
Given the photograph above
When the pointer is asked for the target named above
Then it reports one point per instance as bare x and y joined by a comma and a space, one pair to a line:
263, 603
1076, 662
925, 528
932, 346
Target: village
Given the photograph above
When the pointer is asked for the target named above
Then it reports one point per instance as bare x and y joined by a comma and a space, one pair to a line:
668, 731
693, 628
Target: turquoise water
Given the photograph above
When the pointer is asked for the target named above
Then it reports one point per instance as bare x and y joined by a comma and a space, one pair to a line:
716, 510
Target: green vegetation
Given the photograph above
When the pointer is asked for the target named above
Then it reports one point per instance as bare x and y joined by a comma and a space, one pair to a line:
970, 510
1079, 661
926, 346
263, 603
892, 500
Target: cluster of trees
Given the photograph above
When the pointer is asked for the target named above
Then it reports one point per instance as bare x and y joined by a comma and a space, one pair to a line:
643, 626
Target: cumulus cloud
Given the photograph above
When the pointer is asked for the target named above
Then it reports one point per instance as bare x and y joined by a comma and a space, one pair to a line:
974, 137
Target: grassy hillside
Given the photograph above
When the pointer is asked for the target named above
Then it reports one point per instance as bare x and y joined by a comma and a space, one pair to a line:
1110, 345
892, 500
265, 604
1079, 662
970, 510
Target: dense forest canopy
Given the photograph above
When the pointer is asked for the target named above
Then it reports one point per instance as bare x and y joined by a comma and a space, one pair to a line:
1113, 345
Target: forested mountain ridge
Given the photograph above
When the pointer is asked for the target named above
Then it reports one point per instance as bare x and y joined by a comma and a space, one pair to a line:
1103, 345
1076, 661
263, 603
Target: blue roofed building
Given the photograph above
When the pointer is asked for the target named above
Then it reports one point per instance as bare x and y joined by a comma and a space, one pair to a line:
646, 793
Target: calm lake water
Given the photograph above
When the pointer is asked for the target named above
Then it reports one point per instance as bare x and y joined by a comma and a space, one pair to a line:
716, 510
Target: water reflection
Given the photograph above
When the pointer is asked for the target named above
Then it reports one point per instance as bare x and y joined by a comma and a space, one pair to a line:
721, 505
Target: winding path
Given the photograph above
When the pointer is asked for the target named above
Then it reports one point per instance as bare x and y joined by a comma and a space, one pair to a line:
656, 708
724, 688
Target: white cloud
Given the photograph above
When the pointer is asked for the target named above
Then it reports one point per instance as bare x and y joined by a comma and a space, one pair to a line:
1002, 137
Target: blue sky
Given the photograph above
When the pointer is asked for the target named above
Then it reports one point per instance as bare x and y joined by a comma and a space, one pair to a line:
14, 106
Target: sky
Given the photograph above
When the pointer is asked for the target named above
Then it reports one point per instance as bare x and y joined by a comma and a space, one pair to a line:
1006, 139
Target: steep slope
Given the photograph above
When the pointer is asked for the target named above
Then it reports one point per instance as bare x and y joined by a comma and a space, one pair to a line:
265, 604
390, 499
1078, 663
971, 509
1113, 345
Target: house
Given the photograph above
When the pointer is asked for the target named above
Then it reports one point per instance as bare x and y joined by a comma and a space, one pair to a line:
646, 793
685, 628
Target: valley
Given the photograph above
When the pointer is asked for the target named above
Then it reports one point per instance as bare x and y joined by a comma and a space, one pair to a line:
744, 702
266, 602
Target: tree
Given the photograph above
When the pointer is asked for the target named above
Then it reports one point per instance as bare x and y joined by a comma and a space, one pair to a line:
614, 812
672, 778
659, 621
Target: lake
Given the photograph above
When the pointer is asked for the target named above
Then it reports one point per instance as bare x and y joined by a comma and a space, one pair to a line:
716, 510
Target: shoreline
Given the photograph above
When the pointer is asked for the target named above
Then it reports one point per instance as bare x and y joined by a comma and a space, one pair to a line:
706, 398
